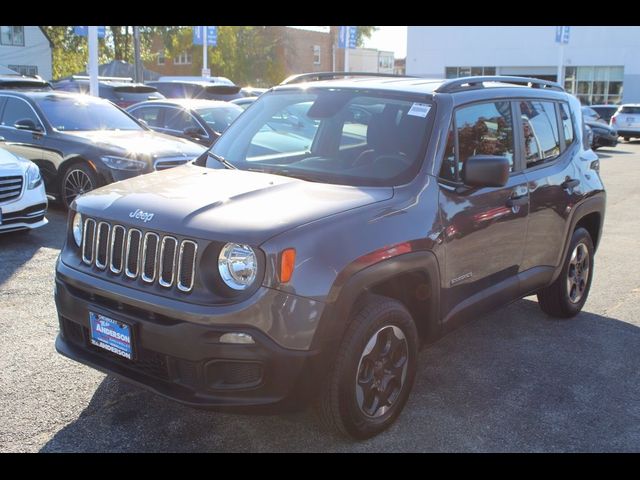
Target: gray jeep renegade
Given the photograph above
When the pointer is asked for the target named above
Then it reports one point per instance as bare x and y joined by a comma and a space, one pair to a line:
336, 226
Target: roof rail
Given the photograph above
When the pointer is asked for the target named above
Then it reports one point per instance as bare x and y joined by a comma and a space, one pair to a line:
463, 83
316, 76
114, 79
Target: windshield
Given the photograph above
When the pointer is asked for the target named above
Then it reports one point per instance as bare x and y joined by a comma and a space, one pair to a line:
348, 136
81, 113
219, 118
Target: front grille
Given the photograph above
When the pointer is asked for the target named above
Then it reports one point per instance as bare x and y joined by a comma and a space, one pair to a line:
165, 163
135, 254
10, 188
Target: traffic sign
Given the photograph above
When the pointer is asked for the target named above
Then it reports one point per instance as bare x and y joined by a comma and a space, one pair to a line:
562, 34
83, 31
212, 36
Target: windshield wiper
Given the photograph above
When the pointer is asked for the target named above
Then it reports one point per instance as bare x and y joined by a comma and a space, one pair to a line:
223, 161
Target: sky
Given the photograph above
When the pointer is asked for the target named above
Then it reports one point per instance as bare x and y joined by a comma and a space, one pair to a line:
390, 39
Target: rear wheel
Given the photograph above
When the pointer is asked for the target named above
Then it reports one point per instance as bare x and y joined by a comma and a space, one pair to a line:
373, 372
79, 178
565, 297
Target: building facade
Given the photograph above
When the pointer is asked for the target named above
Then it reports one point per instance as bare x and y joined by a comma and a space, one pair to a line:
601, 64
370, 60
26, 50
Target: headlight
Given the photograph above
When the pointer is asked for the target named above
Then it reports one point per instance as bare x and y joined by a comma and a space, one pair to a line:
34, 179
237, 265
77, 228
122, 163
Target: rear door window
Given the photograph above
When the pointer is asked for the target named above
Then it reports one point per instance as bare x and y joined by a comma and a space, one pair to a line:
540, 132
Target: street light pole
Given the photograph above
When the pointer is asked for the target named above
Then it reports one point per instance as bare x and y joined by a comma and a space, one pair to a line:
139, 77
93, 60
204, 52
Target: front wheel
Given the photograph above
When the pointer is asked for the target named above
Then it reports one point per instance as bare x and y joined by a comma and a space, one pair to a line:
373, 372
565, 297
79, 178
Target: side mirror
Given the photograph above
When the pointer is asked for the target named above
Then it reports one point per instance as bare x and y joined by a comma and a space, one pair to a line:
27, 124
486, 171
143, 122
194, 132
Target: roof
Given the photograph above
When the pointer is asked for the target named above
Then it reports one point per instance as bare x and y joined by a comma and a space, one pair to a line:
191, 103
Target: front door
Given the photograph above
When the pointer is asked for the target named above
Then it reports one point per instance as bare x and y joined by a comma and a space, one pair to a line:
26, 143
484, 228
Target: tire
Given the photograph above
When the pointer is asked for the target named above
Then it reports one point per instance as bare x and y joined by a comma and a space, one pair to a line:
565, 297
378, 326
78, 178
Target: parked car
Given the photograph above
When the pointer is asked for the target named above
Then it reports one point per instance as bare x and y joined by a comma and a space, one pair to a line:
605, 111
244, 102
202, 121
121, 92
603, 135
23, 202
197, 89
313, 272
22, 82
81, 142
627, 121
590, 115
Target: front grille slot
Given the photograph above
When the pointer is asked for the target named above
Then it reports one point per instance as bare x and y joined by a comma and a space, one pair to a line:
117, 248
150, 257
136, 254
88, 240
10, 188
133, 253
186, 265
102, 244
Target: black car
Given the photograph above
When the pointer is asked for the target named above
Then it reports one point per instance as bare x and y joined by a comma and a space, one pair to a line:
82, 142
197, 89
121, 92
603, 135
202, 121
605, 111
22, 82
283, 268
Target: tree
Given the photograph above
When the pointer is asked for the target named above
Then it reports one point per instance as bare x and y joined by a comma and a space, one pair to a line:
364, 32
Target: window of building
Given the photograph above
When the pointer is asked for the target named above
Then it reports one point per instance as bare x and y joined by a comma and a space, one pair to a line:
29, 70
12, 35
161, 58
567, 124
385, 61
482, 129
185, 58
540, 131
457, 72
316, 55
595, 85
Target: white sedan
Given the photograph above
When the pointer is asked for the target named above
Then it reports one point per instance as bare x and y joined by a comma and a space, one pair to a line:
23, 202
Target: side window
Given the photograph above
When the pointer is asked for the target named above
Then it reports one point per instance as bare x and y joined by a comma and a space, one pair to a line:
151, 115
484, 129
540, 132
178, 119
567, 124
354, 128
15, 110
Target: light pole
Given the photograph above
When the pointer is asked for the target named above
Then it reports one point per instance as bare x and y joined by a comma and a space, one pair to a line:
93, 60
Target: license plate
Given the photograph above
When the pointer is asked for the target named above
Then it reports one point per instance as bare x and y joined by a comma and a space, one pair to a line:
110, 334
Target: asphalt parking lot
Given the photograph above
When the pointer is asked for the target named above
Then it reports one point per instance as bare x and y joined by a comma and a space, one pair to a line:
513, 380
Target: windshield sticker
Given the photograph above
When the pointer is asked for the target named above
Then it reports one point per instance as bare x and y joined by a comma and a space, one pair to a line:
419, 110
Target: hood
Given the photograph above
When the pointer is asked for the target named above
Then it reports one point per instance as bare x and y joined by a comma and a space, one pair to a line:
139, 143
597, 124
11, 164
224, 205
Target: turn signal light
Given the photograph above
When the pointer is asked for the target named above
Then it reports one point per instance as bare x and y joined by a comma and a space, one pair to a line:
287, 263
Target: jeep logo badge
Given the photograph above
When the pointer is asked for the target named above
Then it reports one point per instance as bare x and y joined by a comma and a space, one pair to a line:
144, 216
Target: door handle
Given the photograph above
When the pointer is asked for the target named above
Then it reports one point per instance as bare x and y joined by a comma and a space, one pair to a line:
518, 201
570, 183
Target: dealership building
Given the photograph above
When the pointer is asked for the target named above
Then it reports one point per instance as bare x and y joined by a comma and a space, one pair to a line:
601, 64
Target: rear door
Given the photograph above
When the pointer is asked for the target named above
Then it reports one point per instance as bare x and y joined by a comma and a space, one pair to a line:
484, 228
547, 132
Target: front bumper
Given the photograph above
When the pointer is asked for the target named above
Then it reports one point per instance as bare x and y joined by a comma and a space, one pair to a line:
185, 361
26, 212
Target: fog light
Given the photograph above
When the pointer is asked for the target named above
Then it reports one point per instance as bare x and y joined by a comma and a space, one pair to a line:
237, 337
